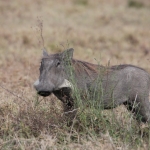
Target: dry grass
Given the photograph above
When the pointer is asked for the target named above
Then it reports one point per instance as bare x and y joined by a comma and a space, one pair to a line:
117, 31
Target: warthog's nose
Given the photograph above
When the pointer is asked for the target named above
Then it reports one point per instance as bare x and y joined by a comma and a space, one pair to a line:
44, 93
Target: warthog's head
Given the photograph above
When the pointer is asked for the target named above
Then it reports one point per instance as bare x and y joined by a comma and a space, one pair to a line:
53, 72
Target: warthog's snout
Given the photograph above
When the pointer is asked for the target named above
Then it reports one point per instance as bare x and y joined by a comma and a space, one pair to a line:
42, 90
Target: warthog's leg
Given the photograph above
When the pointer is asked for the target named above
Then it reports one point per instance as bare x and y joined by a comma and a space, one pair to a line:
64, 95
140, 108
144, 110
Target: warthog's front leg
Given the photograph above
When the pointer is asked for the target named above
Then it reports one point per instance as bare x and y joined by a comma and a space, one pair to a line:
64, 95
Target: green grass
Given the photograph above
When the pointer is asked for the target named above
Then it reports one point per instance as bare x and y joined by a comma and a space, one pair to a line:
135, 4
81, 2
93, 121
97, 31
27, 125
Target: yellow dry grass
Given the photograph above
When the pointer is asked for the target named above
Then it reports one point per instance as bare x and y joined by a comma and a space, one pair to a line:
98, 30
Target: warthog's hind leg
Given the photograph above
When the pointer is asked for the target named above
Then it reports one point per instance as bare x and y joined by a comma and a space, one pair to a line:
140, 109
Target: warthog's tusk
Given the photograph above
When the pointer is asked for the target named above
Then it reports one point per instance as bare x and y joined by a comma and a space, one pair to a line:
36, 83
66, 83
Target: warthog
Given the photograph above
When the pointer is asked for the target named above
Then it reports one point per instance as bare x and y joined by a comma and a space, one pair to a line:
121, 84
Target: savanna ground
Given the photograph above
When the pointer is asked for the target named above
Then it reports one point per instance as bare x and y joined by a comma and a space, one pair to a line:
114, 32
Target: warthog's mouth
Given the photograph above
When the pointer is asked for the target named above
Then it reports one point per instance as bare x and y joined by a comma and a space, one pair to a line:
44, 93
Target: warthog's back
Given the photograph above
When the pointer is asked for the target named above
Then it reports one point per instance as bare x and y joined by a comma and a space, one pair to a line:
118, 67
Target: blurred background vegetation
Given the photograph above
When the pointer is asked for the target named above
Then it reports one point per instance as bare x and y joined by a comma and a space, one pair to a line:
100, 31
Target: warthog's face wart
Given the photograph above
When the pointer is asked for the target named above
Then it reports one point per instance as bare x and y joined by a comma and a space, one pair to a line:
52, 73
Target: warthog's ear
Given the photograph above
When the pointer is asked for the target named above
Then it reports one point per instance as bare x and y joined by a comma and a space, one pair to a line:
45, 54
68, 54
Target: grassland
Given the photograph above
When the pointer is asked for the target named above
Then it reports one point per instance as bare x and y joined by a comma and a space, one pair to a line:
117, 31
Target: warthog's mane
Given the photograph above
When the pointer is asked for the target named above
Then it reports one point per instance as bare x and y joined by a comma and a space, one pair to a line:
90, 69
